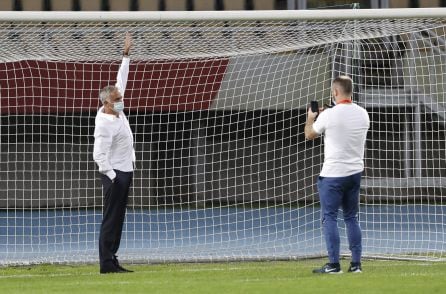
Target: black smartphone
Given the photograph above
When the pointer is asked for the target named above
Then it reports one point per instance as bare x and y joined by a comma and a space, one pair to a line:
314, 106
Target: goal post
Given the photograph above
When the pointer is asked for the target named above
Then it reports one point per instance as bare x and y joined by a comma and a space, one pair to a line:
217, 103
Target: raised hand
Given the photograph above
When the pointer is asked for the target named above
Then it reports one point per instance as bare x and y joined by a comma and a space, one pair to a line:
128, 43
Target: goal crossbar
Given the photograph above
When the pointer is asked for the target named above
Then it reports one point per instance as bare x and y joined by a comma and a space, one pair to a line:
192, 16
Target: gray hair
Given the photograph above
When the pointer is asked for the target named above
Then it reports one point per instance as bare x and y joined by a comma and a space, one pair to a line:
105, 92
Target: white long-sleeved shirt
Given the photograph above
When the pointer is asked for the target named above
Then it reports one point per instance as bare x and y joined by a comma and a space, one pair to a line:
113, 138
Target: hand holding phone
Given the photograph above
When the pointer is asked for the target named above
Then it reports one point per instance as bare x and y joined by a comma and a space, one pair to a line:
314, 106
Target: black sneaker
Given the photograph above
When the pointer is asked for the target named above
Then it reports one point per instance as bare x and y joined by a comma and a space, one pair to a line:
355, 268
329, 268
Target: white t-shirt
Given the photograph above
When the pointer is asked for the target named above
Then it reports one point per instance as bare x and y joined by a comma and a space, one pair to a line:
345, 130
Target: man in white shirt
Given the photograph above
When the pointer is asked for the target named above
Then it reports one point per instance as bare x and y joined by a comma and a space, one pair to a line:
114, 154
345, 127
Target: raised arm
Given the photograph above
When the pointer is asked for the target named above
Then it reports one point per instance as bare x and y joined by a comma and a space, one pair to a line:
123, 73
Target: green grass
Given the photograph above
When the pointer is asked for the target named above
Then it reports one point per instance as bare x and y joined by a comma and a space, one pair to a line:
379, 276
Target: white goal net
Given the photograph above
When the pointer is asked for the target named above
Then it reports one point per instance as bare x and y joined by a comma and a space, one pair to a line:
217, 104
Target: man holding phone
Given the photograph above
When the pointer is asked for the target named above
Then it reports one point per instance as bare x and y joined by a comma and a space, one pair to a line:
345, 127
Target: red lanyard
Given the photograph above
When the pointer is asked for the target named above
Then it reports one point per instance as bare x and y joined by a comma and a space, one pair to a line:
345, 101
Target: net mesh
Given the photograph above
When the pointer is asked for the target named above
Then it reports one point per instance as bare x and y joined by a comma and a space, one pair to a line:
217, 109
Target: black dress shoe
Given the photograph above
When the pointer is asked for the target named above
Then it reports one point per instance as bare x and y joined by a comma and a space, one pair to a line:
110, 269
124, 270
116, 263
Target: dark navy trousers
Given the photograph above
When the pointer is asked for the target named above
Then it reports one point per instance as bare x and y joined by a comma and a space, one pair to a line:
335, 193
115, 202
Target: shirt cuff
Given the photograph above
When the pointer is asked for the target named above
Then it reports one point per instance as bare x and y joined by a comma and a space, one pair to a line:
111, 174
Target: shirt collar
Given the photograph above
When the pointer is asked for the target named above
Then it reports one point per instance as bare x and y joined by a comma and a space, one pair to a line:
110, 117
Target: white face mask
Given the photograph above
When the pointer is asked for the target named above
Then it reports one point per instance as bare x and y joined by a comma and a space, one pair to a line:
118, 106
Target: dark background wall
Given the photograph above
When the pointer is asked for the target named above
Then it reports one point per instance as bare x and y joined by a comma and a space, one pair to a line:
200, 158
195, 157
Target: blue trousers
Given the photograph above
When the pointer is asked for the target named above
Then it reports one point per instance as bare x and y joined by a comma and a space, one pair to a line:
115, 202
335, 193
